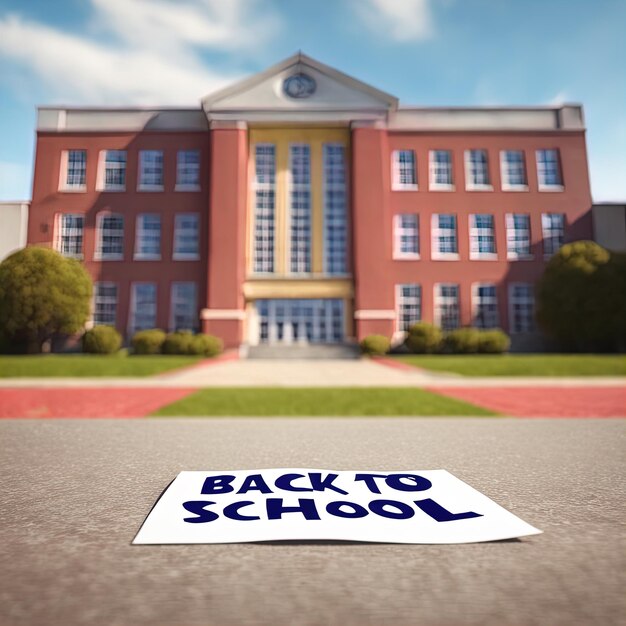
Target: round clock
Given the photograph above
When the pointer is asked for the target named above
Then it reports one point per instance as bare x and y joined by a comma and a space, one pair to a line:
299, 86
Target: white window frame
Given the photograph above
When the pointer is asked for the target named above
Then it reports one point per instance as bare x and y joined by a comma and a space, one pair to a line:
335, 214
439, 301
139, 230
511, 253
264, 257
432, 167
435, 232
490, 300
59, 234
505, 183
179, 231
396, 168
141, 185
470, 185
548, 230
101, 184
180, 167
399, 230
515, 300
133, 306
306, 218
106, 300
98, 254
542, 186
414, 301
193, 306
63, 172
475, 233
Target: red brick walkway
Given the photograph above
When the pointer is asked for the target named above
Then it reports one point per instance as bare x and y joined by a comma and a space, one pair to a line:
98, 402
544, 401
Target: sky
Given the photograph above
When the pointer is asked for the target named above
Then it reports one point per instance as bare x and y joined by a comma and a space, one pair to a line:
425, 52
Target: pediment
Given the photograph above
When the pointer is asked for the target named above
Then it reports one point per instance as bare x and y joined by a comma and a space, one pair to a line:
328, 91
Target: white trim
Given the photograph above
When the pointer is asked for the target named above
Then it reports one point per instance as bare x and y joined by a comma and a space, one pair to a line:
131, 309
397, 331
142, 256
374, 314
63, 186
101, 173
432, 185
194, 305
145, 186
223, 314
396, 185
437, 303
551, 188
435, 255
104, 283
182, 256
509, 224
398, 255
470, 186
97, 253
474, 233
504, 185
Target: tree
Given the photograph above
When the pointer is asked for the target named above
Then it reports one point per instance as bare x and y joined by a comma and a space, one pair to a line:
41, 294
581, 297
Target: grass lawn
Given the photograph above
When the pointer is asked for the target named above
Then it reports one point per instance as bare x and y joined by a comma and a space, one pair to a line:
292, 402
83, 365
521, 364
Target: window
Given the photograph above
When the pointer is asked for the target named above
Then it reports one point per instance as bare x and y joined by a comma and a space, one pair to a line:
112, 170
406, 236
482, 237
300, 199
143, 307
73, 170
477, 171
485, 306
440, 170
148, 237
443, 237
150, 170
183, 307
521, 308
404, 175
447, 306
518, 236
265, 163
513, 170
188, 170
186, 240
105, 304
335, 209
549, 170
69, 235
109, 237
408, 306
553, 231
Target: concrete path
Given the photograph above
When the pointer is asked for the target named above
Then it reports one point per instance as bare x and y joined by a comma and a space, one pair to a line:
75, 492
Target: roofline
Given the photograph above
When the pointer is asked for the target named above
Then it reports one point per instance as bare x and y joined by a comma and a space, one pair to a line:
61, 107
295, 59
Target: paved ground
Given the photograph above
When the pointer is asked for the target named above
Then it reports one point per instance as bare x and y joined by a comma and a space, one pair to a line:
74, 492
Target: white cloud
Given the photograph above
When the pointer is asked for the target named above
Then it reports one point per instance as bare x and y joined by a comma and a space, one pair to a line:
400, 20
149, 51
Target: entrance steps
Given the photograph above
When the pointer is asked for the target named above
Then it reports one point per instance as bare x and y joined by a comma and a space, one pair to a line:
317, 351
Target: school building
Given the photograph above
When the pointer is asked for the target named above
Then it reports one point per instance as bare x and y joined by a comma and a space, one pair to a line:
302, 206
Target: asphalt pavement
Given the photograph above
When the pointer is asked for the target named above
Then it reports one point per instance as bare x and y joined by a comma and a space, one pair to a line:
74, 493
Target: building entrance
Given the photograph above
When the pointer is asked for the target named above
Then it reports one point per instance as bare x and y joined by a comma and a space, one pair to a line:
300, 322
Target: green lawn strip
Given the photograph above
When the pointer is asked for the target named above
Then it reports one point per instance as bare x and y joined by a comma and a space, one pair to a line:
311, 401
521, 364
86, 365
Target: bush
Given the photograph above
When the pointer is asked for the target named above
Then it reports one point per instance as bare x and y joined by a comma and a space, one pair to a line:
42, 294
148, 341
102, 340
178, 343
424, 338
462, 341
375, 345
493, 341
205, 345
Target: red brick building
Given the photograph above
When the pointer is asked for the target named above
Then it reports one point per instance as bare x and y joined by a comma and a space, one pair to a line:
303, 206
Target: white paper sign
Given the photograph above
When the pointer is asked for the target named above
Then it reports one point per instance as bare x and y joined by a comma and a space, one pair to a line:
410, 506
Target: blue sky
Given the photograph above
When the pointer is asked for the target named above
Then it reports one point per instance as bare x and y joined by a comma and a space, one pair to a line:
426, 52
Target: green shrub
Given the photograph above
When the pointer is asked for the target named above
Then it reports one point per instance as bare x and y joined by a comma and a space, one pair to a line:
375, 345
424, 338
462, 341
178, 343
102, 340
148, 341
205, 345
493, 341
